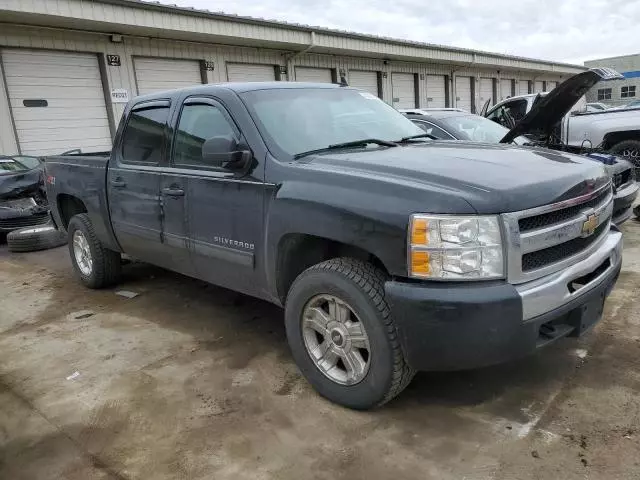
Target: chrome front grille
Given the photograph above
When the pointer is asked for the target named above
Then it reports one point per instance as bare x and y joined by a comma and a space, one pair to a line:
546, 239
556, 216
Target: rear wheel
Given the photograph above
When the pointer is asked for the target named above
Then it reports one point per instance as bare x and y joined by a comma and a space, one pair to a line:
342, 336
95, 265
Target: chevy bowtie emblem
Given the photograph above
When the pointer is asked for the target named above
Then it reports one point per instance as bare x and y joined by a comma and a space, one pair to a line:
590, 225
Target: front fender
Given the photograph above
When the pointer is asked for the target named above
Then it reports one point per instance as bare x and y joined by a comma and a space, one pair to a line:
365, 220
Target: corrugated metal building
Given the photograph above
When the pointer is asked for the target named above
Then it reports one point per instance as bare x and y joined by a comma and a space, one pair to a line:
617, 92
67, 65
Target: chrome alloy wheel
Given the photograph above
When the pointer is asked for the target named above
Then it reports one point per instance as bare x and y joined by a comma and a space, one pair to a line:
335, 339
632, 154
82, 253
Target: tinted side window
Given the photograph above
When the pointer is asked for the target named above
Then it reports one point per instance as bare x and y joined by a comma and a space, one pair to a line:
431, 129
143, 137
199, 123
496, 114
517, 109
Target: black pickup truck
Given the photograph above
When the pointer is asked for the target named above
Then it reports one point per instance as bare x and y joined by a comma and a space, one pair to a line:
389, 251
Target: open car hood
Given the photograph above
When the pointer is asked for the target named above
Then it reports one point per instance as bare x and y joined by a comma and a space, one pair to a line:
547, 111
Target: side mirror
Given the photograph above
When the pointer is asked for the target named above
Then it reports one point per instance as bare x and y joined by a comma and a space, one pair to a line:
225, 152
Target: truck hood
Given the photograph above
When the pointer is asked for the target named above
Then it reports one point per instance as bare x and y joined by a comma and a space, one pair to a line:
549, 109
491, 178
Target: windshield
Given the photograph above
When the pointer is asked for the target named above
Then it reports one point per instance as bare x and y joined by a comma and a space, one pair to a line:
476, 128
8, 165
28, 161
297, 120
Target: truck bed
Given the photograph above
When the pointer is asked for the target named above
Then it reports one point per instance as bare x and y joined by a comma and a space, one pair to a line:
81, 176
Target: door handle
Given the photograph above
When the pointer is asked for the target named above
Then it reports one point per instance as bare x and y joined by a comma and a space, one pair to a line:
173, 192
118, 183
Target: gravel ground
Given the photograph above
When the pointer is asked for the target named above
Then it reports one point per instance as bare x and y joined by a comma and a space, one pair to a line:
191, 381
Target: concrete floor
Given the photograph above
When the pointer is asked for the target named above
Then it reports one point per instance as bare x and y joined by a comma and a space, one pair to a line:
189, 381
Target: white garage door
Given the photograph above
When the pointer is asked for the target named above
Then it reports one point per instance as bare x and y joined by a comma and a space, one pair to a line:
463, 93
57, 101
367, 81
403, 86
538, 86
485, 92
505, 89
316, 75
250, 72
436, 91
524, 87
551, 86
159, 74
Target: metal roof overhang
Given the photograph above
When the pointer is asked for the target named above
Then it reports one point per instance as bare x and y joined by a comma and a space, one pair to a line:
151, 20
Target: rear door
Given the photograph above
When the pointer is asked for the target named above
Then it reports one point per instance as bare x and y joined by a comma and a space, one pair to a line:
133, 182
223, 206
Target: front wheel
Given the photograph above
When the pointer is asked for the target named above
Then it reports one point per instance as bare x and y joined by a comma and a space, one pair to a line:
95, 265
629, 150
342, 336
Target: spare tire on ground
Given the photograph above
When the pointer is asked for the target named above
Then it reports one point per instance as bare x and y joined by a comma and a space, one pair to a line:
35, 238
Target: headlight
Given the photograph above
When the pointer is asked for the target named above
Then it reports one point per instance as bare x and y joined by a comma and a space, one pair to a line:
455, 247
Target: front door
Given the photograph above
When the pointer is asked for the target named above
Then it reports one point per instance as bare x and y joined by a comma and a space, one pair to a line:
224, 206
133, 182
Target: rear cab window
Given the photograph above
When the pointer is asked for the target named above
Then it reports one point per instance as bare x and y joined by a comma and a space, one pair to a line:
143, 139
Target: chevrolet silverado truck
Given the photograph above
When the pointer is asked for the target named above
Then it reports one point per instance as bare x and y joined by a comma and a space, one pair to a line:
390, 252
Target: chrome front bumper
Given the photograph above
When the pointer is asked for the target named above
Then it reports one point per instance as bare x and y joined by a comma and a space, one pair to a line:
552, 291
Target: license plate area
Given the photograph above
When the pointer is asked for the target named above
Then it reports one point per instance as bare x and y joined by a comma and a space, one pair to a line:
585, 317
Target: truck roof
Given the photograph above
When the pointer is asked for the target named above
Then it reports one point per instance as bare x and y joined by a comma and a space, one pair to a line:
238, 87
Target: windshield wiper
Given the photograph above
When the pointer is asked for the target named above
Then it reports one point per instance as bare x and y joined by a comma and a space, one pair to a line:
356, 143
421, 135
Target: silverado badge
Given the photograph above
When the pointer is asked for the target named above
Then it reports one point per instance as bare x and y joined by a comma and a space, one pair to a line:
590, 225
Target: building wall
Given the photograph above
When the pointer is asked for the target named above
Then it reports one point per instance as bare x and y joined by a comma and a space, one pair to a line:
123, 76
629, 66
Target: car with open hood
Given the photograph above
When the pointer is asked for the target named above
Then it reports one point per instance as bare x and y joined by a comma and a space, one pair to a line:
461, 125
559, 120
23, 201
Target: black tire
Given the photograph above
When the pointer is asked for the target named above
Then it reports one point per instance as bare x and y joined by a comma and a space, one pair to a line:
106, 267
361, 286
35, 238
628, 146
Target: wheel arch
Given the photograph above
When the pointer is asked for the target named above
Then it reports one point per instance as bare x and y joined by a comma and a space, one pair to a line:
613, 138
68, 206
298, 251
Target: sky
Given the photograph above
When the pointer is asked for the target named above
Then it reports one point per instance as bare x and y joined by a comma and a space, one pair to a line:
560, 30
